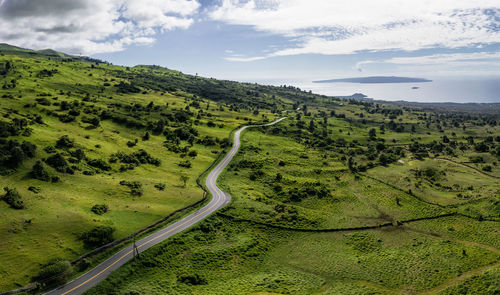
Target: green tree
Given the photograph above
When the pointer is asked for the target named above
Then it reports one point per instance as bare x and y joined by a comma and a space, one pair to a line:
56, 272
98, 236
38, 172
372, 133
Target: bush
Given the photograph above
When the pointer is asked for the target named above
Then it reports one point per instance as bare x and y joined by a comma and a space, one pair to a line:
78, 154
98, 236
99, 164
13, 198
39, 172
34, 189
66, 118
487, 168
135, 187
185, 164
481, 147
136, 158
123, 87
160, 186
55, 272
65, 142
50, 149
28, 149
100, 209
477, 159
58, 162
191, 279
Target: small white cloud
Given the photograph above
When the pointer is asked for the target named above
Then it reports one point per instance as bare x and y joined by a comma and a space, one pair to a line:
244, 59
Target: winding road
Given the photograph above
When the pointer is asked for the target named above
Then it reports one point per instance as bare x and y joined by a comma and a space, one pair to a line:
219, 200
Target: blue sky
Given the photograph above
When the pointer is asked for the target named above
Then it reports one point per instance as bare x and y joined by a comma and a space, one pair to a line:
263, 40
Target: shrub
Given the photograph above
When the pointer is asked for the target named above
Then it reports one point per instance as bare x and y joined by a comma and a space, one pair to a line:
123, 87
487, 168
34, 189
193, 153
477, 159
98, 236
13, 198
191, 279
56, 272
39, 172
50, 149
100, 209
160, 186
84, 264
185, 164
135, 187
58, 162
137, 158
28, 149
481, 147
66, 118
79, 154
99, 164
65, 142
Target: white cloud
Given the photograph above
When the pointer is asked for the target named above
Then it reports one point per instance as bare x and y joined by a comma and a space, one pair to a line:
89, 26
466, 61
237, 57
346, 27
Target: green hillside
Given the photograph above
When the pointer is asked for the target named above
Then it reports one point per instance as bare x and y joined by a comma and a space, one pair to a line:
89, 147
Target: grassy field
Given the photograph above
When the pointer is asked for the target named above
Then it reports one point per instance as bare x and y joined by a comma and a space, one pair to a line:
342, 197
57, 214
236, 253
224, 256
442, 182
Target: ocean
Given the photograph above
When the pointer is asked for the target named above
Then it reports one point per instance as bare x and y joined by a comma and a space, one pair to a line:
461, 90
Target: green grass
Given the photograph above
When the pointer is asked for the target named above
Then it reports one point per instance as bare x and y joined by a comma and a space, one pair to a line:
353, 202
239, 257
454, 185
56, 216
319, 169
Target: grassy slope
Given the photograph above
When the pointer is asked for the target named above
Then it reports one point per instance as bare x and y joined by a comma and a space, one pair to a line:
61, 211
239, 256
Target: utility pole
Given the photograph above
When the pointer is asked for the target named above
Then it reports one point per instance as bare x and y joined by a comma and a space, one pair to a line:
136, 250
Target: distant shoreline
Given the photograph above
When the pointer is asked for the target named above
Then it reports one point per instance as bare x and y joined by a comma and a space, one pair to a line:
376, 80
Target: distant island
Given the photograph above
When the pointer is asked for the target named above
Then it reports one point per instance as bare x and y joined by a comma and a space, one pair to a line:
376, 80
357, 96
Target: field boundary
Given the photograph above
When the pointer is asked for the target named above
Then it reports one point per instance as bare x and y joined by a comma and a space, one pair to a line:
402, 190
357, 228
470, 167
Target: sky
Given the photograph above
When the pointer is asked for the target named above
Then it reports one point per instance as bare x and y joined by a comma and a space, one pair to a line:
262, 40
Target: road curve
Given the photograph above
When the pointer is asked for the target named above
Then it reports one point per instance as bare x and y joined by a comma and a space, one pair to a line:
219, 199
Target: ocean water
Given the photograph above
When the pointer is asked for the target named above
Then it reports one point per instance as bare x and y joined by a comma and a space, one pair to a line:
462, 90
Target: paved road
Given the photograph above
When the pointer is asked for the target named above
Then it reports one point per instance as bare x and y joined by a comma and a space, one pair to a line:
219, 200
